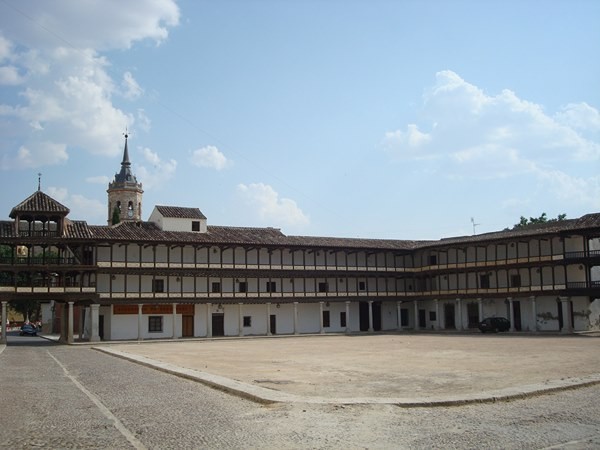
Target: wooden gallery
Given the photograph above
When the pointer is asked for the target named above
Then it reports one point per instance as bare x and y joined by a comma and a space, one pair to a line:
175, 276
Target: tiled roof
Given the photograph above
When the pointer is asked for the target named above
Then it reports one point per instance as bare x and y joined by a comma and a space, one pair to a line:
179, 212
38, 202
588, 221
384, 244
149, 232
77, 229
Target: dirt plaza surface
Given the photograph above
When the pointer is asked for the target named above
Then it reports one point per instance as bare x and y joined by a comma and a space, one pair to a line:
385, 365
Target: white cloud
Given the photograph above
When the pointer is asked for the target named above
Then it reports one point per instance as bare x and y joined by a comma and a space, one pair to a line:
159, 171
51, 52
477, 136
143, 120
99, 24
9, 75
44, 154
81, 208
411, 139
580, 116
209, 157
131, 88
461, 117
270, 207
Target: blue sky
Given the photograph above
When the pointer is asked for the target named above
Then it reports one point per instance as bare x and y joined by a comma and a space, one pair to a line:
381, 119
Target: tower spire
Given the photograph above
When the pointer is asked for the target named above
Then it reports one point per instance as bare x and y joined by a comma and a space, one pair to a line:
125, 175
39, 181
124, 192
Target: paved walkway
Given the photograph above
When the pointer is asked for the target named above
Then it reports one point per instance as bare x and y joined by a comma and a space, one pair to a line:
402, 369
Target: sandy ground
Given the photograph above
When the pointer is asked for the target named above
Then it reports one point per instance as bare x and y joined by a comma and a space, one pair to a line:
387, 365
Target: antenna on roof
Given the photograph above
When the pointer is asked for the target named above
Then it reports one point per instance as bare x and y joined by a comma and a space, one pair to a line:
39, 181
474, 225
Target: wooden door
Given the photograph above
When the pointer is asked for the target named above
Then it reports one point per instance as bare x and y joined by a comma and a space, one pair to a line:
218, 324
187, 326
273, 323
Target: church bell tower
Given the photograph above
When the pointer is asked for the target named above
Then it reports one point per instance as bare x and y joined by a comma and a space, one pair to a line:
124, 194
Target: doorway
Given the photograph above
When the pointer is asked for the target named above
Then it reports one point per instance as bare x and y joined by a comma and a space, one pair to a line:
449, 316
187, 326
101, 326
218, 324
517, 314
473, 314
273, 323
422, 318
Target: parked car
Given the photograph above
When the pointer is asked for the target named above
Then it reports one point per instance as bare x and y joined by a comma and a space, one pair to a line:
494, 324
28, 329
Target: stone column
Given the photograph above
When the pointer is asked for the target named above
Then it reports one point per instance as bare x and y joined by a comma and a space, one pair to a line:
437, 314
70, 324
174, 317
534, 314
240, 320
4, 317
347, 316
321, 329
511, 313
417, 315
81, 322
480, 308
140, 325
209, 320
459, 313
269, 319
566, 310
371, 316
399, 314
295, 317
94, 320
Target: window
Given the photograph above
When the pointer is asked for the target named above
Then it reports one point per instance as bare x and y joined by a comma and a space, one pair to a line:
432, 316
361, 285
343, 319
247, 321
271, 286
242, 286
158, 285
195, 225
215, 287
484, 281
515, 280
323, 286
326, 321
432, 260
155, 324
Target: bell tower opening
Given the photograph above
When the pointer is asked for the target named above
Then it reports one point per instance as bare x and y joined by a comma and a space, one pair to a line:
124, 193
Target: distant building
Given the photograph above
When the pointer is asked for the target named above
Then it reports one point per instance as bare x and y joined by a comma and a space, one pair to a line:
176, 276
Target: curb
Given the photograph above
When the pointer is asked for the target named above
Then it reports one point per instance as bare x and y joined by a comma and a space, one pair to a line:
268, 396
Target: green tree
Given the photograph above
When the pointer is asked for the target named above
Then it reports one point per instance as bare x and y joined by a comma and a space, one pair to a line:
524, 222
116, 216
27, 308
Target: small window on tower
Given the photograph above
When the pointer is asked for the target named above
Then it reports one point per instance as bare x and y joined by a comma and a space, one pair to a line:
195, 225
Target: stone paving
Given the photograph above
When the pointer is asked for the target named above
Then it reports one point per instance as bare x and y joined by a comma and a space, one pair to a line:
62, 397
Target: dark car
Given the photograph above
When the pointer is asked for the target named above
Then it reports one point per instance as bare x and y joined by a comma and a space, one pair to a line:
494, 324
28, 330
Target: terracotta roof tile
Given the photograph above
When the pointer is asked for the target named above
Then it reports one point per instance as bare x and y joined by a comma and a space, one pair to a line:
180, 212
38, 202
